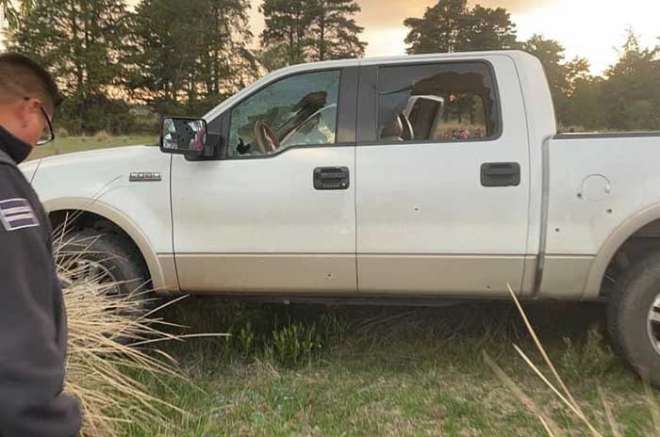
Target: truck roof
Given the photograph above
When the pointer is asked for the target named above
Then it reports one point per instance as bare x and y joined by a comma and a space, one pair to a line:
519, 54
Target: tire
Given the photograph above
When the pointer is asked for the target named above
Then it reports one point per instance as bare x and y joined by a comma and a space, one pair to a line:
108, 258
635, 335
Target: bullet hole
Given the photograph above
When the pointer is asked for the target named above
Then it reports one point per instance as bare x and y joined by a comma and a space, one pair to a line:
579, 195
557, 229
609, 210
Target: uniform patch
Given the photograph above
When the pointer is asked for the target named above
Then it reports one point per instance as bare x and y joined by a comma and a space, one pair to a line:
17, 214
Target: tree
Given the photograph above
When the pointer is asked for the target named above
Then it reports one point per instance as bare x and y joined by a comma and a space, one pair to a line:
489, 29
631, 94
10, 13
552, 55
300, 31
335, 35
274, 56
440, 29
197, 61
287, 27
452, 26
81, 42
562, 75
583, 109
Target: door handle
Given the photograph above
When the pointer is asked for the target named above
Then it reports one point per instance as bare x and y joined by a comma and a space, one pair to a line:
500, 174
331, 178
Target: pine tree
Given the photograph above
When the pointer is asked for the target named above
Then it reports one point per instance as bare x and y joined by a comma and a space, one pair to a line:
489, 29
439, 30
309, 30
287, 27
195, 54
81, 42
452, 26
335, 34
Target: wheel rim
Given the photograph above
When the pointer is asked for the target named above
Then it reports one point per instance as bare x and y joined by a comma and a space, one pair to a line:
653, 324
93, 271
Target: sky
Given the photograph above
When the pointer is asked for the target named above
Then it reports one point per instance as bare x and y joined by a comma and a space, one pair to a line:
590, 28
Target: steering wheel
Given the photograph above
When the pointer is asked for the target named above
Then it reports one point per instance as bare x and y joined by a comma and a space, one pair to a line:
265, 137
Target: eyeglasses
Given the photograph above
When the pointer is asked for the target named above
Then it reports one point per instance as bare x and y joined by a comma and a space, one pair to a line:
47, 135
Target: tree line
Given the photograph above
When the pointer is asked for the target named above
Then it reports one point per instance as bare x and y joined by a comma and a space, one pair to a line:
120, 66
168, 56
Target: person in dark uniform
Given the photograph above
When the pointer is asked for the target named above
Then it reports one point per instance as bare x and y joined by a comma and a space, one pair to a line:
33, 331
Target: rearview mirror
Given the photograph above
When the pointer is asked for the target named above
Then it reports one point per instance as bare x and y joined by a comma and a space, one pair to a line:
183, 135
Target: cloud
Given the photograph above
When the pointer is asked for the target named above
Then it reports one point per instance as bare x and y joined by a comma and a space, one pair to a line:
389, 13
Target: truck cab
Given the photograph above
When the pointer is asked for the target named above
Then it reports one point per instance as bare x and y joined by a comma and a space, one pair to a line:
369, 176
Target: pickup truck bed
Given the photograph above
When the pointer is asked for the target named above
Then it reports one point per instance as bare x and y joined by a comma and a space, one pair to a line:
602, 190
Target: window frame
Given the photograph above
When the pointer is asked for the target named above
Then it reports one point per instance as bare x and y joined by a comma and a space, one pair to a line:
345, 79
372, 86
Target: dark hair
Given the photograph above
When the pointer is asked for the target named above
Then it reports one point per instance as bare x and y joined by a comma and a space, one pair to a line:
22, 77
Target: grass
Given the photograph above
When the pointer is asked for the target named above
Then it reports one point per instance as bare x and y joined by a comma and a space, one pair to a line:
70, 144
389, 371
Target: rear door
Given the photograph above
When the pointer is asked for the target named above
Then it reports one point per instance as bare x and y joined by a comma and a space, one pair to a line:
275, 212
443, 178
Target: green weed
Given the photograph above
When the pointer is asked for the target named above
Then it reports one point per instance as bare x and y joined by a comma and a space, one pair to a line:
295, 344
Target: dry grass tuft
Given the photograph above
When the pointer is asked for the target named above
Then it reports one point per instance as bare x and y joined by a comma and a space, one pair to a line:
561, 390
101, 365
104, 359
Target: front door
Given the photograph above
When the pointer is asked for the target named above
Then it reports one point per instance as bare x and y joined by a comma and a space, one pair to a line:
443, 183
275, 212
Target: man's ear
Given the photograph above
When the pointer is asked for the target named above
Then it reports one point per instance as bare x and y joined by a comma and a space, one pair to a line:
34, 105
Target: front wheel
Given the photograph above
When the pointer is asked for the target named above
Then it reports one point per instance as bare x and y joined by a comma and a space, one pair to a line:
634, 317
107, 259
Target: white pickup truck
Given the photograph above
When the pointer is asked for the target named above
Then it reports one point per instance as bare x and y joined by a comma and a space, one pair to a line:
410, 178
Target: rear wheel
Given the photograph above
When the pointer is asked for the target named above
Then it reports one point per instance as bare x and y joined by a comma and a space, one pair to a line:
634, 317
106, 258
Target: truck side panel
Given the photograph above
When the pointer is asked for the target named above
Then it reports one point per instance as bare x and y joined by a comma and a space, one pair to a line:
596, 183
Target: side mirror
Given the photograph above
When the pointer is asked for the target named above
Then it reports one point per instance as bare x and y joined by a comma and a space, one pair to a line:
183, 135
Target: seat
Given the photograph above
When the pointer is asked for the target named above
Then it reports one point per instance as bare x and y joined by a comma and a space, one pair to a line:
399, 129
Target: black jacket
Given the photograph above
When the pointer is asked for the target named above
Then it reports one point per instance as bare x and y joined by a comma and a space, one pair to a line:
32, 318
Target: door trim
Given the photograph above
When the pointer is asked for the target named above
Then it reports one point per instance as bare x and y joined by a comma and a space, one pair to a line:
267, 272
451, 275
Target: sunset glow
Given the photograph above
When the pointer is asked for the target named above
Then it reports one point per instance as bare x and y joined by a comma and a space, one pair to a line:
594, 29
590, 28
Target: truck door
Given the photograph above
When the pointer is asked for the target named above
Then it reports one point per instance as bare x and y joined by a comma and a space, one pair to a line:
443, 178
276, 211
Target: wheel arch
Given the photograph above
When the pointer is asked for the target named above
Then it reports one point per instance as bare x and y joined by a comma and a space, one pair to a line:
161, 268
644, 224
